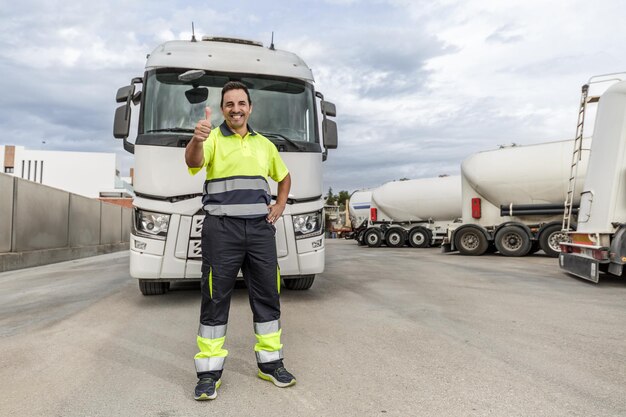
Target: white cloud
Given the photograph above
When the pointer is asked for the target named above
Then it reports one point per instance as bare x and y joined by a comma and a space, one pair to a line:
418, 85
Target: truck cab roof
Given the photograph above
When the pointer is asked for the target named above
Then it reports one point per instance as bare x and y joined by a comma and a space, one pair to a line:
229, 55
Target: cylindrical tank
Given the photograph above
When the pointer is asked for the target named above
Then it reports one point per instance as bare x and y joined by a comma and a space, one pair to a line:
531, 174
359, 206
419, 199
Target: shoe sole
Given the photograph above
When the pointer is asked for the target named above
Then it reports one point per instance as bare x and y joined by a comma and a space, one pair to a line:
204, 397
276, 382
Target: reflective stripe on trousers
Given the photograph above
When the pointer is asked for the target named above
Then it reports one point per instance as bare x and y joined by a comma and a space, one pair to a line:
268, 347
210, 340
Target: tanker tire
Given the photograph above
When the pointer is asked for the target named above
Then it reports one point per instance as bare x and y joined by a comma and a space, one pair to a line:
360, 238
471, 242
299, 284
419, 237
153, 288
373, 238
395, 237
513, 241
549, 240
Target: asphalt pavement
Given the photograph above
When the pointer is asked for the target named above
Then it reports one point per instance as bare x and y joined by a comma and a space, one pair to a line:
383, 332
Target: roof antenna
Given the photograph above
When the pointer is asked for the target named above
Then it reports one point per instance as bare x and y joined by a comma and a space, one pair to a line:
272, 44
193, 34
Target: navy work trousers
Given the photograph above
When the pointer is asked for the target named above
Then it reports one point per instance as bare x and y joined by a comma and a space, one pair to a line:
228, 245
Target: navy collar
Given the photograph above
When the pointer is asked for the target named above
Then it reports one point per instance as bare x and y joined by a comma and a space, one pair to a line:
227, 132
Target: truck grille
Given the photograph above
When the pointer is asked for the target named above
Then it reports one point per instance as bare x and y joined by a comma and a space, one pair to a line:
196, 226
194, 250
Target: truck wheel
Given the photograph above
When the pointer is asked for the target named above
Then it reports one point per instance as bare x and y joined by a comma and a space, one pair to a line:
153, 288
513, 241
373, 237
550, 238
395, 237
471, 241
360, 238
419, 237
299, 284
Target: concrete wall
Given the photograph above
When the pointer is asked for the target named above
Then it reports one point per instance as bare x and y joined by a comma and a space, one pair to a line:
40, 217
6, 212
127, 219
110, 223
41, 224
84, 221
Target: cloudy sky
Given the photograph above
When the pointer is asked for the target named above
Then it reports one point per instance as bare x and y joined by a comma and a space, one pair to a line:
419, 85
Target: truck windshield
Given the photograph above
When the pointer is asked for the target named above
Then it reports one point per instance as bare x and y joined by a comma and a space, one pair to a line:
283, 109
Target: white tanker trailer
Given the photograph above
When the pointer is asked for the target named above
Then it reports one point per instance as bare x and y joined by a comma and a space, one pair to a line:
599, 243
359, 209
513, 199
359, 206
417, 212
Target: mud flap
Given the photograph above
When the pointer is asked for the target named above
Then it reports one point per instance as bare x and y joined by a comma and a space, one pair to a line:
580, 266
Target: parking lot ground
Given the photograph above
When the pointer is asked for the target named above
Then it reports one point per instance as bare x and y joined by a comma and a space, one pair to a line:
393, 332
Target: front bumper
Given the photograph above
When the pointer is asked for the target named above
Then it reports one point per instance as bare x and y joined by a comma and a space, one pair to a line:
168, 260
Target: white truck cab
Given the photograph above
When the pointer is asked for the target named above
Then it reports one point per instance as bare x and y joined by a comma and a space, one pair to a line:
181, 78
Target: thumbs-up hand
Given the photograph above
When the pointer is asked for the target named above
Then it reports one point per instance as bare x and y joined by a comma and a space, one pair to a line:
203, 127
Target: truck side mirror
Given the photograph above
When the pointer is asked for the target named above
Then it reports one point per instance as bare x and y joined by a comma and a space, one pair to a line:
121, 123
329, 128
124, 92
329, 109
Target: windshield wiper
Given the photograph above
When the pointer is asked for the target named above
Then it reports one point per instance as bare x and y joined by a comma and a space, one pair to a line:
171, 129
286, 139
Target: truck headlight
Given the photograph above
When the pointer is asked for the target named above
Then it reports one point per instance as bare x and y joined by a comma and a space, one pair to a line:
307, 225
151, 224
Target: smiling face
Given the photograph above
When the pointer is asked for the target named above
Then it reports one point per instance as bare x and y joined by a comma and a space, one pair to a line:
236, 110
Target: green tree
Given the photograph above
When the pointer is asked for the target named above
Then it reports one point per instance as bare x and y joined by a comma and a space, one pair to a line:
331, 199
342, 198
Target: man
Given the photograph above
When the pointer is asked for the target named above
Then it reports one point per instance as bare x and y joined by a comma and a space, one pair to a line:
238, 233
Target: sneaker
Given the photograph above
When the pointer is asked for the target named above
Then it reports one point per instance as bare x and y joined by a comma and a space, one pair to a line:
207, 389
279, 377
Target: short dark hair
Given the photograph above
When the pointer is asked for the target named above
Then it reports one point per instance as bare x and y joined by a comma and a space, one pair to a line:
234, 85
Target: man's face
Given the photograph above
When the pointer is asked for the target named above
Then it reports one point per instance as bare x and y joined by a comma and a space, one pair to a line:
236, 109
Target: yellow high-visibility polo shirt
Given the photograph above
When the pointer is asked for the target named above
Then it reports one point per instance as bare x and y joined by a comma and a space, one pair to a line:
227, 154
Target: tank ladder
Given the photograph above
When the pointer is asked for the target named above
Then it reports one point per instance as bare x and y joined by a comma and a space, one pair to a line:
576, 157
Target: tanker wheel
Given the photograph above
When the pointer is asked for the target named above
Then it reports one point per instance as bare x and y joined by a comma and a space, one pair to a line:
373, 238
550, 238
419, 237
395, 237
360, 238
513, 241
471, 241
